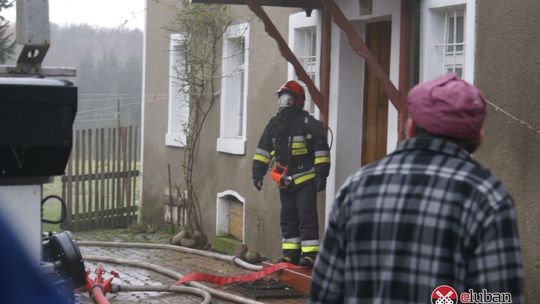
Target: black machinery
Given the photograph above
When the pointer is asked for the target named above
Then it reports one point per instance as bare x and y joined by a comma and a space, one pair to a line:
36, 120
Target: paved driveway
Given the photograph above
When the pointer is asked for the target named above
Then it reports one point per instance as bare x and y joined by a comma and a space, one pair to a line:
179, 262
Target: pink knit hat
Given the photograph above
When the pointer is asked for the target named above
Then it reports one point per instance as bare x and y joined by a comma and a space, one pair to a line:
448, 106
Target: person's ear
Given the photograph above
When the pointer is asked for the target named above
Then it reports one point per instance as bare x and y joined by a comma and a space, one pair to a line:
410, 128
481, 137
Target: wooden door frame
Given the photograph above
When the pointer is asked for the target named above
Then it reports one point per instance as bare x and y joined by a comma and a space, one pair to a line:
372, 103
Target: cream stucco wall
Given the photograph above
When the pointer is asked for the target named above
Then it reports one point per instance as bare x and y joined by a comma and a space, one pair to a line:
216, 172
507, 70
155, 155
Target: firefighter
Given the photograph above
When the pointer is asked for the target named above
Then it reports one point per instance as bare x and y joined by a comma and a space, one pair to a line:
296, 142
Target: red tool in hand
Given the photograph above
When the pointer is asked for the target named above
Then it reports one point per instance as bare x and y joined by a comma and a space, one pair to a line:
279, 175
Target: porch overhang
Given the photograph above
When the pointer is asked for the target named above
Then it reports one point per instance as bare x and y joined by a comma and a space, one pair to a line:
332, 12
304, 4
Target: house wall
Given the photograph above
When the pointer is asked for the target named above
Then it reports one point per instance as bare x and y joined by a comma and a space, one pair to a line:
267, 72
155, 154
508, 72
347, 91
216, 172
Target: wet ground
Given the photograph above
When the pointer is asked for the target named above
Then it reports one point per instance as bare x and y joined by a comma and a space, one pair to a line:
176, 261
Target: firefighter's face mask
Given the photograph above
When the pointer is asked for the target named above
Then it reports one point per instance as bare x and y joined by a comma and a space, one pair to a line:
285, 100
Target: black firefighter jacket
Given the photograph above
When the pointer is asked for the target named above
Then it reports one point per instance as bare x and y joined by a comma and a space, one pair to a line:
296, 140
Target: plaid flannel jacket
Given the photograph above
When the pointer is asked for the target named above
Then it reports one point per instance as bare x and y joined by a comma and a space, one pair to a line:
426, 215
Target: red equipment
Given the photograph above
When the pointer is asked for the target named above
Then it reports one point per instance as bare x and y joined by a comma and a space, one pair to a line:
219, 280
279, 175
98, 287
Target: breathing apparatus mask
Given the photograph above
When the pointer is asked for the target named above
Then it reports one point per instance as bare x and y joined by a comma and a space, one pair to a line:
285, 100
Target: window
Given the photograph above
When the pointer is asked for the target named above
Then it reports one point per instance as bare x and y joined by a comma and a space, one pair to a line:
234, 90
304, 37
447, 38
453, 48
178, 113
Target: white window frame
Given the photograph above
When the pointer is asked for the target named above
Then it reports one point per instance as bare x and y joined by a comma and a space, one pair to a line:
233, 144
178, 110
453, 51
434, 38
297, 23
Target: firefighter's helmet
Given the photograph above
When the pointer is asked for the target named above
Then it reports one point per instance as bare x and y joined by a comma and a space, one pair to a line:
296, 90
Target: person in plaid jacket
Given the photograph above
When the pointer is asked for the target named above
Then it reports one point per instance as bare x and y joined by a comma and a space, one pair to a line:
426, 215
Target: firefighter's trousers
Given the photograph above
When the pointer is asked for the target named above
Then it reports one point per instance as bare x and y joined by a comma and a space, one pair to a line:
299, 220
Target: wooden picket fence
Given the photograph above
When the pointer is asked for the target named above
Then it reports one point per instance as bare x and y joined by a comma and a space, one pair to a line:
100, 185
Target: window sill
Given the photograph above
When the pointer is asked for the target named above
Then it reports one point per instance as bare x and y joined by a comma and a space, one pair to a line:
236, 146
175, 140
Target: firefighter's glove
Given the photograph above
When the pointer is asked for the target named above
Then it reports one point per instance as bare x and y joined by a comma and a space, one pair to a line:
321, 183
258, 182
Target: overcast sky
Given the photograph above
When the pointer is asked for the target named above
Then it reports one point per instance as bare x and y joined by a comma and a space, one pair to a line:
104, 13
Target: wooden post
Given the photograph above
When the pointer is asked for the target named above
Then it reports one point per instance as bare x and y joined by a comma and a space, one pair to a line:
404, 50
135, 164
82, 180
326, 37
112, 189
89, 177
128, 161
102, 177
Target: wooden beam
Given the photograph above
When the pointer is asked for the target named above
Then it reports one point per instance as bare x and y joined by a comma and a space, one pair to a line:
363, 51
404, 53
326, 38
309, 4
286, 52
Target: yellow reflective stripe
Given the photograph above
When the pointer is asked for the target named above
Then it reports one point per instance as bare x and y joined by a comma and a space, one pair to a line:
298, 145
307, 249
304, 178
299, 151
322, 159
289, 246
261, 158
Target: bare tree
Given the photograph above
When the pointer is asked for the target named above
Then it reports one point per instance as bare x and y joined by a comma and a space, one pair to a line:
201, 29
7, 44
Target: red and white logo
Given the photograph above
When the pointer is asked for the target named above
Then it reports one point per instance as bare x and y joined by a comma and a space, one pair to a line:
444, 294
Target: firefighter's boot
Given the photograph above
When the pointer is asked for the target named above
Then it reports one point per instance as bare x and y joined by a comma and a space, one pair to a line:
310, 249
290, 256
307, 259
291, 250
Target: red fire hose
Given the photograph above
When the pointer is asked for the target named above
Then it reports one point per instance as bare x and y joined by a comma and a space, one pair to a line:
98, 296
219, 280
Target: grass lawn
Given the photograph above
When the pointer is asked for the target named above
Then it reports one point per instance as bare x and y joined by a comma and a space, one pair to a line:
51, 210
125, 235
